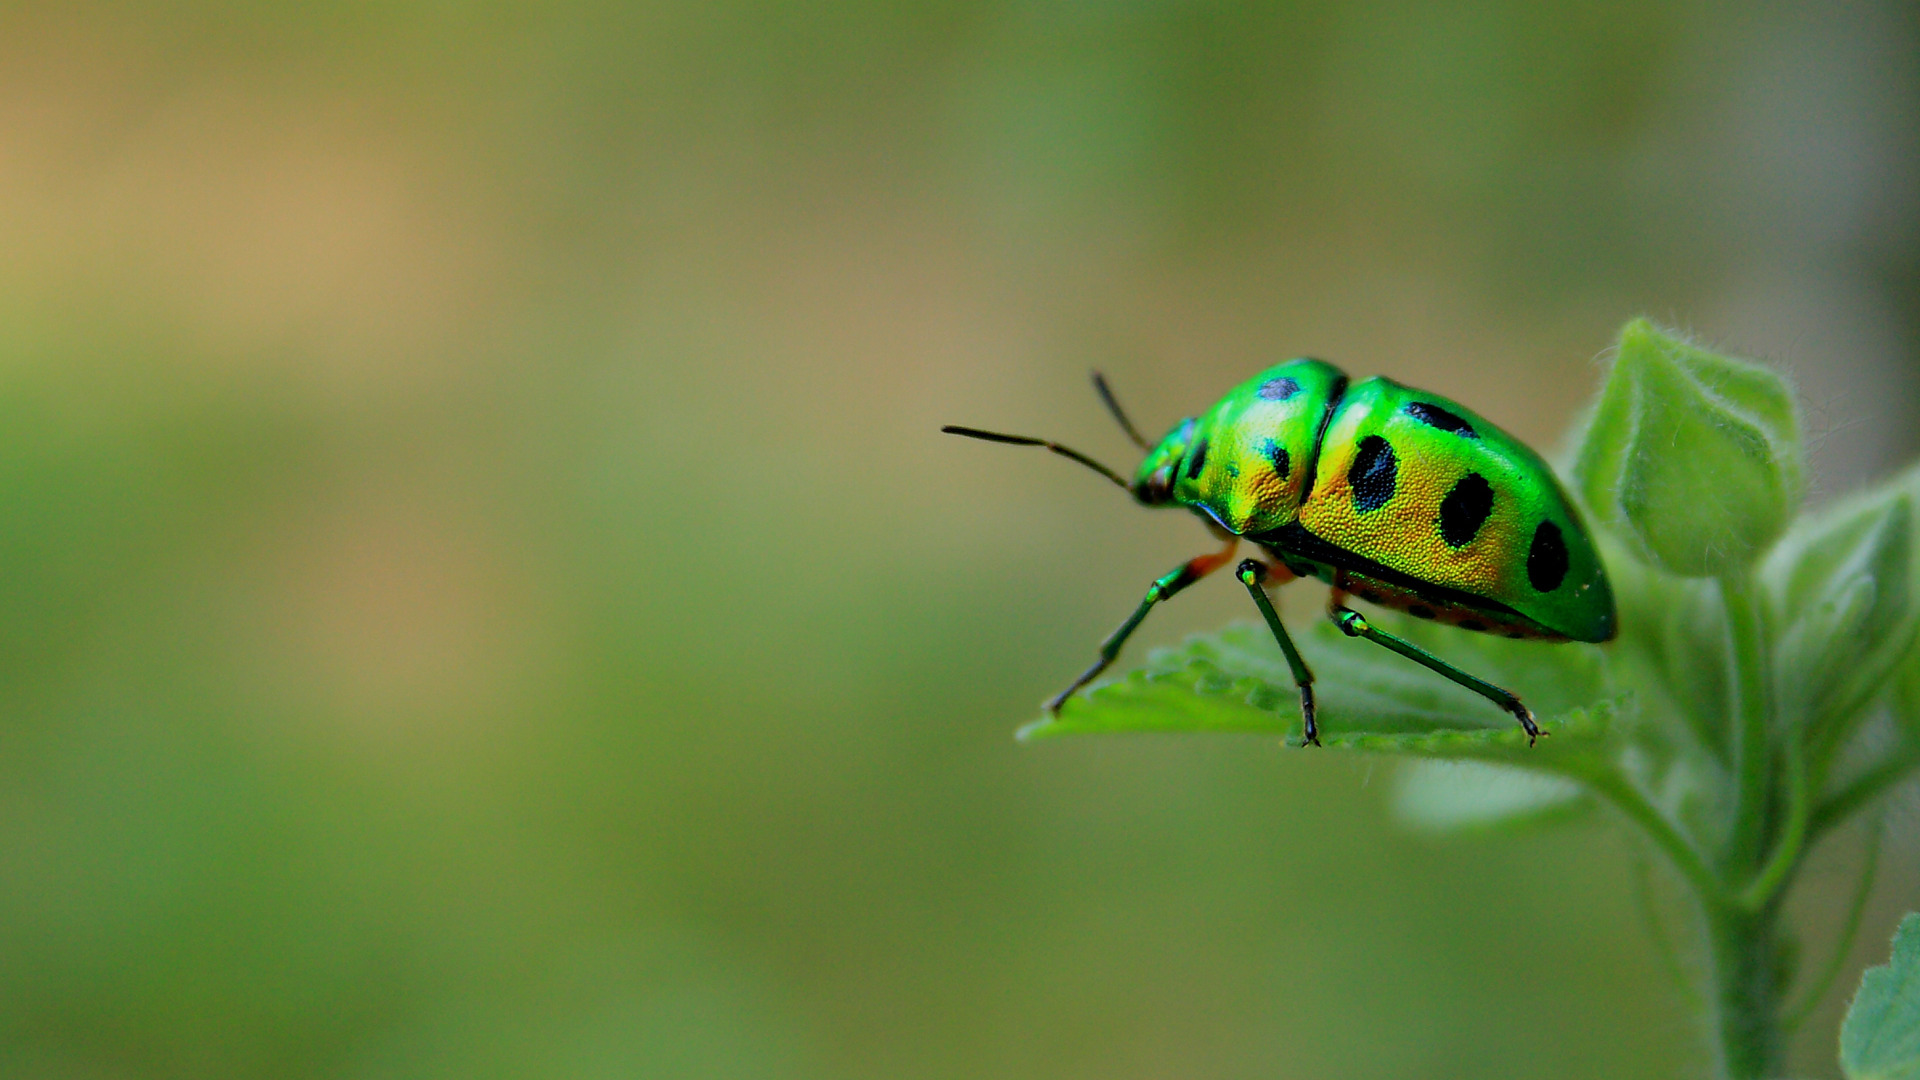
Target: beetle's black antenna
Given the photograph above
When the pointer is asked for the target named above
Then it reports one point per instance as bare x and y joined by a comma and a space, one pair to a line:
1027, 440
1113, 406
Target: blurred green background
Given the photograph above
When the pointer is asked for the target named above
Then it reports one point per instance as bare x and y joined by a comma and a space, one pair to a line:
481, 593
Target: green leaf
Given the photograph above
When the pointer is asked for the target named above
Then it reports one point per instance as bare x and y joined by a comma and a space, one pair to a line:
1843, 585
1906, 696
1693, 456
1880, 1039
1446, 795
1906, 690
1673, 641
1369, 699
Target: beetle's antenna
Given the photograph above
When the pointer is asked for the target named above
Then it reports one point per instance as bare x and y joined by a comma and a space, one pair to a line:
1027, 440
1113, 406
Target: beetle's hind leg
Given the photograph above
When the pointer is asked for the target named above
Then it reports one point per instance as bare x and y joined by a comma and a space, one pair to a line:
1354, 624
1253, 573
1163, 587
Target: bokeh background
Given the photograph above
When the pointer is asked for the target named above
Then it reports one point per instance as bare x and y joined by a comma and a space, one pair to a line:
481, 593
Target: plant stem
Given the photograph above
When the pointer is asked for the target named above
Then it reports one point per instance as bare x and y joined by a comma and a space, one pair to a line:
1786, 852
1742, 929
1744, 947
1752, 708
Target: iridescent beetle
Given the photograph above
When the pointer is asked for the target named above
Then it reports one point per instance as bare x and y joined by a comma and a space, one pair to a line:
1388, 493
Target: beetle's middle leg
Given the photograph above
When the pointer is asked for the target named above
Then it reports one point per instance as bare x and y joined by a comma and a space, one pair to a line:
1354, 624
1253, 573
1163, 587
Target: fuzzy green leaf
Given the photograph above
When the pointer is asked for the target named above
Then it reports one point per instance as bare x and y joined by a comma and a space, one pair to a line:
1369, 699
1673, 643
1693, 456
1880, 1039
1906, 696
1443, 795
1843, 585
1906, 691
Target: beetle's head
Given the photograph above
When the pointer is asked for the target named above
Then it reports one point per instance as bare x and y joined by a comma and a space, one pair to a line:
1153, 481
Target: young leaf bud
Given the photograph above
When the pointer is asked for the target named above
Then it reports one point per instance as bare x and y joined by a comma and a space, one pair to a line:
1692, 456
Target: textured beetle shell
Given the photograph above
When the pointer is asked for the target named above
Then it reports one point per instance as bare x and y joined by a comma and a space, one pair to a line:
1404, 531
1394, 493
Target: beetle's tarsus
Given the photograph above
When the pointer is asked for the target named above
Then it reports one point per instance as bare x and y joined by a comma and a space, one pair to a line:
1054, 704
1525, 716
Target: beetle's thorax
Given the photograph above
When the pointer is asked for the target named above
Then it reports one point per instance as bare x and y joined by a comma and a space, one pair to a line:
1248, 462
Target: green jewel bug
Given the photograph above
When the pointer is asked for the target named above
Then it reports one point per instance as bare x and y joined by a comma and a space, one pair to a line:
1394, 495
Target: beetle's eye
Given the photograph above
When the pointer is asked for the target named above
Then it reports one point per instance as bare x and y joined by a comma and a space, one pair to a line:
1160, 484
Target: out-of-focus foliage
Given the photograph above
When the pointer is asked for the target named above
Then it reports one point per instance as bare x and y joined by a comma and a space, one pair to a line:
1845, 589
1445, 795
482, 592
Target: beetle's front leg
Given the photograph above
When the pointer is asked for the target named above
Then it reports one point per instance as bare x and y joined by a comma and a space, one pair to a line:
1163, 587
1253, 574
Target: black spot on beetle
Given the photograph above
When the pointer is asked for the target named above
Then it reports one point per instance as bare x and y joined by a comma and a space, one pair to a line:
1198, 461
1435, 416
1547, 558
1369, 596
1279, 389
1420, 611
1517, 635
1465, 509
1472, 624
1300, 570
1282, 461
1374, 473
